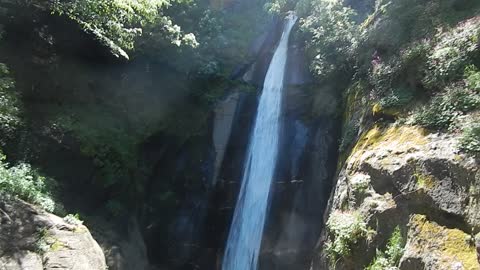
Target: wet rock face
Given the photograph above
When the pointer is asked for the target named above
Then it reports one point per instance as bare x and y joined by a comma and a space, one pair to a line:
402, 176
35, 240
305, 167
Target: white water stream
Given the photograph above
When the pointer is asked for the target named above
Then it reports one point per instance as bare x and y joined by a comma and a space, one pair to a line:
246, 231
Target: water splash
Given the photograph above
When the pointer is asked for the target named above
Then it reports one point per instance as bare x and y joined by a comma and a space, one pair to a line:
245, 237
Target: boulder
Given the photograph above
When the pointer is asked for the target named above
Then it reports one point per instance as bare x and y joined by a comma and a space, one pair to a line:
32, 239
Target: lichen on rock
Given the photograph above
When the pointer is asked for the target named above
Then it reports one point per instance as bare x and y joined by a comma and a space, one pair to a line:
432, 246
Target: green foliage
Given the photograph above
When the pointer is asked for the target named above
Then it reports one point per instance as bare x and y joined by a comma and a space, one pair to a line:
346, 229
400, 69
391, 257
107, 140
123, 20
472, 77
397, 23
9, 102
331, 36
41, 245
470, 140
452, 52
224, 39
443, 109
279, 6
73, 219
26, 183
397, 98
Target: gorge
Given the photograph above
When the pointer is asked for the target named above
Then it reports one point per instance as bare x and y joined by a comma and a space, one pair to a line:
235, 135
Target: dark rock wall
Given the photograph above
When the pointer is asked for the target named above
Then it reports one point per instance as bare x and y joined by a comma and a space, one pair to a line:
306, 165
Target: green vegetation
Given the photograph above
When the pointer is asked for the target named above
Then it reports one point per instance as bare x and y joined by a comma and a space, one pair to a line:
73, 219
94, 129
123, 20
21, 180
9, 104
443, 109
331, 35
451, 54
472, 78
279, 6
41, 245
360, 185
26, 183
392, 255
346, 229
470, 139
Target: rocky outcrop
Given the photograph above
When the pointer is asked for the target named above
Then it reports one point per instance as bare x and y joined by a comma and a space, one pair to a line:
403, 176
36, 240
431, 246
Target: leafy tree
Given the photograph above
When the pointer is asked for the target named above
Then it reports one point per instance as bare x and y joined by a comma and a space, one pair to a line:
331, 35
123, 20
9, 102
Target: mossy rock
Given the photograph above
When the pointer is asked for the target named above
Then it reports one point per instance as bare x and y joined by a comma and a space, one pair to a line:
433, 246
381, 111
425, 182
403, 136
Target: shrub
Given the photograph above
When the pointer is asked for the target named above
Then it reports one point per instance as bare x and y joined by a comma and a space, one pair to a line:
27, 184
73, 219
406, 66
41, 245
470, 140
472, 78
397, 98
452, 52
437, 115
346, 229
443, 109
391, 257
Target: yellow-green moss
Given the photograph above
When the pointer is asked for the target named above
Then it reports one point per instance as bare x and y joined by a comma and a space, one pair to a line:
424, 181
450, 245
80, 229
353, 103
57, 245
378, 109
402, 136
352, 100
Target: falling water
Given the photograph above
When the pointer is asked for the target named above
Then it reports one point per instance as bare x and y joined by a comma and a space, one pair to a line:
246, 231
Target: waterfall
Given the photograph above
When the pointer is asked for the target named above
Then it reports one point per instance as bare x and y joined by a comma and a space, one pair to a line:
245, 237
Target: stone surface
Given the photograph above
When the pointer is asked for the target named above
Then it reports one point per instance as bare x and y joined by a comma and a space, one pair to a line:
396, 174
223, 121
33, 239
431, 246
122, 251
